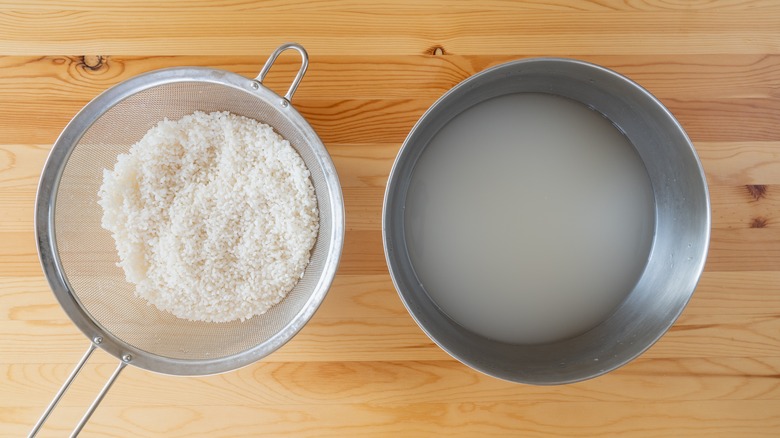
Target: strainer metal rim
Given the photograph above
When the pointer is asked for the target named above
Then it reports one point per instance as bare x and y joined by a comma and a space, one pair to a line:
47, 245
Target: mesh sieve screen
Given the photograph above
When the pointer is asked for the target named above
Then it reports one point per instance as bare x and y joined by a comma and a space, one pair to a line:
88, 254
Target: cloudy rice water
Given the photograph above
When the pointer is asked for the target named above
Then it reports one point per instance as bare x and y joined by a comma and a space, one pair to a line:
214, 216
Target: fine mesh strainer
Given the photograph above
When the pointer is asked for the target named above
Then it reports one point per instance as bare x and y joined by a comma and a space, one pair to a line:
79, 257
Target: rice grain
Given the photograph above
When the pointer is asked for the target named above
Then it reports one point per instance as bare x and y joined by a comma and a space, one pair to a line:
214, 216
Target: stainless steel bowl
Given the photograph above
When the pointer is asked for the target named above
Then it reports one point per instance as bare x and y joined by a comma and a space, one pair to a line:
680, 242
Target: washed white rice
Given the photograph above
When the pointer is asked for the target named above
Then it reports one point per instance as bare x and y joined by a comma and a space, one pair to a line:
214, 216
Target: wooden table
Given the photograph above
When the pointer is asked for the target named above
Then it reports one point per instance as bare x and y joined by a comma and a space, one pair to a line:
362, 367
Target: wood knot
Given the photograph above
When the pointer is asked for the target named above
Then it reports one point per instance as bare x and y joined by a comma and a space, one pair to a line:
756, 191
436, 51
759, 222
93, 62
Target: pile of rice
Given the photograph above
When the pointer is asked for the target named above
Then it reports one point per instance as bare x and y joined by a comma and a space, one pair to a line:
214, 216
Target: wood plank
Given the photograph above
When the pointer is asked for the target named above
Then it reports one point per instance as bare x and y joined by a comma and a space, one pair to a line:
363, 166
740, 119
367, 165
392, 32
387, 77
374, 296
20, 166
709, 418
400, 339
375, 383
18, 254
746, 206
406, 5
343, 339
368, 121
744, 249
740, 163
736, 293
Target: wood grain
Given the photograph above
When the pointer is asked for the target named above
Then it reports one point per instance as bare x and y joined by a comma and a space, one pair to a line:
341, 102
755, 418
363, 121
362, 367
389, 77
412, 30
363, 319
389, 382
382, 6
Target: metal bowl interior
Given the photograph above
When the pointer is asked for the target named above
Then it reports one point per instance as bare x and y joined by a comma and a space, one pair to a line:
680, 242
79, 257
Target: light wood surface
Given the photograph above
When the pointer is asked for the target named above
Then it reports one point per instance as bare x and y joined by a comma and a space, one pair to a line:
362, 367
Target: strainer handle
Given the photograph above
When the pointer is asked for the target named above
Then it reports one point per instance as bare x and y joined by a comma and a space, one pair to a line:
304, 65
98, 399
92, 346
62, 390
